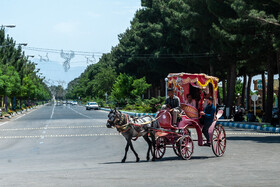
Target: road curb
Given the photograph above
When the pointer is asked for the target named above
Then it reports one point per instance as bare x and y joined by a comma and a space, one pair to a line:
132, 113
248, 126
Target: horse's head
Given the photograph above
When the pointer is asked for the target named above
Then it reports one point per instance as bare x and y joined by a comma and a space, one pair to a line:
113, 118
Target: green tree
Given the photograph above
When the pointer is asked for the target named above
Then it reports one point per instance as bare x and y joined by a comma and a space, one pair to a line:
139, 87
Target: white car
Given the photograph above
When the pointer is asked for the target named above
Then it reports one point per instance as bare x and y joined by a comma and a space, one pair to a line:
92, 105
74, 102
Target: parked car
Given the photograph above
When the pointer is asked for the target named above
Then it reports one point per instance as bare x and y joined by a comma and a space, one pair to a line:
92, 105
74, 103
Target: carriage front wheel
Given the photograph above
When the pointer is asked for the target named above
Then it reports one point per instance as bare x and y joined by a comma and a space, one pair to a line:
160, 147
186, 147
219, 140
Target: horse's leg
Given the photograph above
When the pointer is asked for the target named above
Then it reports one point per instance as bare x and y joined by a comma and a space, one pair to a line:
152, 134
132, 148
149, 143
126, 149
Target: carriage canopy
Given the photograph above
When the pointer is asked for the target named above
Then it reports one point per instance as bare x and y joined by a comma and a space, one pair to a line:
195, 84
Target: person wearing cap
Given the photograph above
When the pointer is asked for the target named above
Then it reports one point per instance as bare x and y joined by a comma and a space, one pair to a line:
172, 102
209, 115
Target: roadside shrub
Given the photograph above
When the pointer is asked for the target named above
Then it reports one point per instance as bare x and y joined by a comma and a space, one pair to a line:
155, 103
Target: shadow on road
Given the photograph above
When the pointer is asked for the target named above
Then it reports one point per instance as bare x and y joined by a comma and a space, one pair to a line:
263, 139
165, 159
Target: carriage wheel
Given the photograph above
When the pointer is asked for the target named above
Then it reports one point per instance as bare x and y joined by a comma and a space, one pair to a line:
160, 147
176, 148
219, 140
186, 147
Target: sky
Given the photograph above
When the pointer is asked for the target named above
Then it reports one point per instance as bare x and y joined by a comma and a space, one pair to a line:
78, 25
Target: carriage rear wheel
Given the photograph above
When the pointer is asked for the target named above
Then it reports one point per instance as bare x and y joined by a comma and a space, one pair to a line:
219, 140
160, 147
186, 147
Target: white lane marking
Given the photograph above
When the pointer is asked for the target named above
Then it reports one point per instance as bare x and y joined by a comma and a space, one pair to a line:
52, 112
21, 116
4, 123
250, 134
59, 136
51, 128
79, 113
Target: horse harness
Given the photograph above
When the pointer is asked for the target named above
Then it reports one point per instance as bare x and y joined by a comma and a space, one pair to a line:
127, 126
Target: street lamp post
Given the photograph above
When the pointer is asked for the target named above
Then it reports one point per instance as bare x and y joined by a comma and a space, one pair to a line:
166, 79
106, 97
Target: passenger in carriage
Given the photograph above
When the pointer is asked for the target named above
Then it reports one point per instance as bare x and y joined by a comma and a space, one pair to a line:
209, 115
190, 101
172, 102
204, 101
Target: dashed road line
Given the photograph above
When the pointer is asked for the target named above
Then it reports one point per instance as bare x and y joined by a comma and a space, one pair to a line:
52, 128
58, 136
247, 133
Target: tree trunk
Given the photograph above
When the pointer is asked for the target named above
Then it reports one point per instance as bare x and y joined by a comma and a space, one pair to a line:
263, 91
248, 98
224, 91
269, 104
243, 90
278, 99
6, 103
218, 96
231, 86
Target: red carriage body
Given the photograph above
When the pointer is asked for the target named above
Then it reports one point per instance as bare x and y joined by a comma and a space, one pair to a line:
178, 136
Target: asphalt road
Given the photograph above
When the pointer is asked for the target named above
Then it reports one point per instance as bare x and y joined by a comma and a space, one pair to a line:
69, 146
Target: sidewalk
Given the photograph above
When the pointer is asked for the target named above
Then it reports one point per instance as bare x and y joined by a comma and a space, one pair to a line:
249, 125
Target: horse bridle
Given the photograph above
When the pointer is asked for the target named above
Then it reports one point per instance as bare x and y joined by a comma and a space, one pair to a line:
117, 119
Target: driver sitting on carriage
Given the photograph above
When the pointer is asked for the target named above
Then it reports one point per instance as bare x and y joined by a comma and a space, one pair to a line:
173, 103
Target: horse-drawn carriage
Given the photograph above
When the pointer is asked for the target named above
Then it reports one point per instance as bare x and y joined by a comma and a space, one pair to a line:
163, 133
178, 136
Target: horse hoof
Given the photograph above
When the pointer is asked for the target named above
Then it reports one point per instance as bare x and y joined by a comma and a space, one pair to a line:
148, 158
153, 159
137, 160
123, 161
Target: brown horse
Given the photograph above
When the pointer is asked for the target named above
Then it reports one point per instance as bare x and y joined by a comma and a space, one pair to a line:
131, 128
